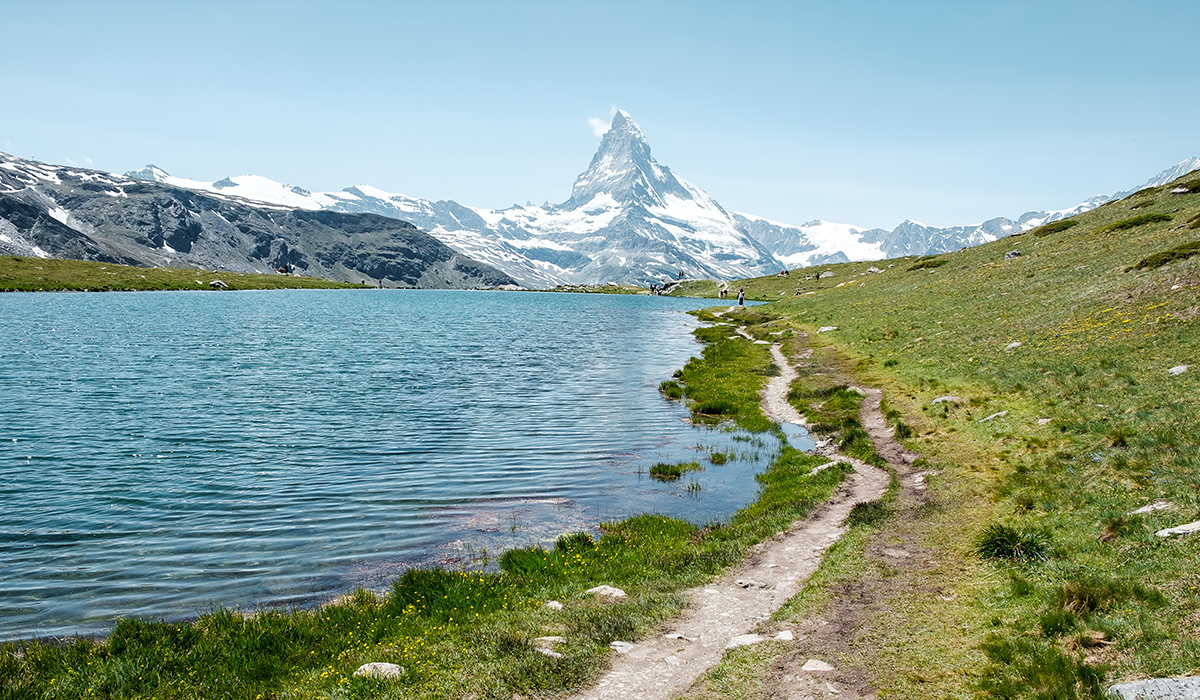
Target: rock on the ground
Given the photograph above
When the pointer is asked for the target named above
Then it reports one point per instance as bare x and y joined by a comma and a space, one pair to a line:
998, 414
785, 636
826, 329
1178, 369
815, 665
744, 640
1180, 530
549, 652
1013, 345
607, 592
1158, 689
554, 605
1157, 505
379, 669
621, 647
947, 399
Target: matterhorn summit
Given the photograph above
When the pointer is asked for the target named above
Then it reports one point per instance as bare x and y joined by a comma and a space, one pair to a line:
624, 170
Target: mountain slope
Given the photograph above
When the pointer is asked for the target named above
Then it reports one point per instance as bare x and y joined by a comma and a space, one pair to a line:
61, 212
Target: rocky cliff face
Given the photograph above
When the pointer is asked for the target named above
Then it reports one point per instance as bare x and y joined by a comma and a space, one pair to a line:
62, 212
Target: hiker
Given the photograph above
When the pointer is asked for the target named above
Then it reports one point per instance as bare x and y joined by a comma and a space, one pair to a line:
741, 296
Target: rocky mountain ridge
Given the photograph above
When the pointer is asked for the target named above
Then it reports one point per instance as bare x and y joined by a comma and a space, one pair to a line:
69, 212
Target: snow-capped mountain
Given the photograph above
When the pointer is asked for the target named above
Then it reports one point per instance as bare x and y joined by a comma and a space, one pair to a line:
53, 211
630, 219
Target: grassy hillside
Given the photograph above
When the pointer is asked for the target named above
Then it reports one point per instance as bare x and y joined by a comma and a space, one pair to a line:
1041, 581
49, 275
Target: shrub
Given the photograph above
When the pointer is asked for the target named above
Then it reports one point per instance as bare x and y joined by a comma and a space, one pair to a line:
1179, 252
1194, 222
718, 457
1134, 221
1002, 542
1054, 227
927, 263
891, 363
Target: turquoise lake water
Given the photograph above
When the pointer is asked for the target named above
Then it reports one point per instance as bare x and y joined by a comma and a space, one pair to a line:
163, 454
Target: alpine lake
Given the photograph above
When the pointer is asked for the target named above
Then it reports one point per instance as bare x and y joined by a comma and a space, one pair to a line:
164, 454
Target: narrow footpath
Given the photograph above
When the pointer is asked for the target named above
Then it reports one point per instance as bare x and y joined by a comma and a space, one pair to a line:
774, 571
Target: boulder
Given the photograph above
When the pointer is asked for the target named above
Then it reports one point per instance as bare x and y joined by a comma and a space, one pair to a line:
1158, 689
379, 669
816, 665
218, 284
1180, 530
1178, 369
1012, 254
621, 647
744, 640
947, 399
607, 592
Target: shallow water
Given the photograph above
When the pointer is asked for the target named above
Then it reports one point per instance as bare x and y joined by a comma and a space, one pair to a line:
165, 453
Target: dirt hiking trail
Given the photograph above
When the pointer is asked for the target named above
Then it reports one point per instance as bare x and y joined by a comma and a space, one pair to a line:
774, 571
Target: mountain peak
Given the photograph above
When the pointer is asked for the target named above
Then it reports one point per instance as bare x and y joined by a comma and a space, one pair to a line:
624, 171
151, 172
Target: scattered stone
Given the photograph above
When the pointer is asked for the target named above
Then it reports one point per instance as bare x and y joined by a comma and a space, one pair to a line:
762, 342
826, 329
1044, 421
1013, 346
999, 414
1178, 369
1012, 254
1157, 505
218, 284
744, 640
785, 636
750, 583
815, 665
947, 399
874, 269
554, 605
379, 669
822, 468
550, 641
1158, 689
550, 652
607, 592
825, 274
676, 635
1181, 530
621, 647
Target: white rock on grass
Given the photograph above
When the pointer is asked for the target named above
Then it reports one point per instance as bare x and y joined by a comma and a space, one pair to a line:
379, 669
826, 329
1158, 689
607, 592
1013, 346
1044, 421
550, 652
947, 399
999, 414
621, 647
785, 636
1157, 505
554, 605
816, 665
1181, 530
744, 640
1178, 369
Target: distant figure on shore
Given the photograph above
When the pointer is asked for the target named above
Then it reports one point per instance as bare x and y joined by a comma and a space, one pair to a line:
681, 274
741, 296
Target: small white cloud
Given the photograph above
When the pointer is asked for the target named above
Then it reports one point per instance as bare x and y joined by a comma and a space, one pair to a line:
69, 161
599, 126
88, 161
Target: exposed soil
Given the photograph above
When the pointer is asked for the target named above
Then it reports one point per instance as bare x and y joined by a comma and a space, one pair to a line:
743, 600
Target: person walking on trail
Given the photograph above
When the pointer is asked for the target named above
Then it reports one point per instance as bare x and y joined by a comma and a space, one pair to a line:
741, 296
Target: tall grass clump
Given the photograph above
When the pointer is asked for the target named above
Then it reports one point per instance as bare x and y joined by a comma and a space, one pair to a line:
999, 541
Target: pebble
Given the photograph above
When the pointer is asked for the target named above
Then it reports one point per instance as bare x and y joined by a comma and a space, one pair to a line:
1178, 369
743, 640
554, 605
815, 665
621, 647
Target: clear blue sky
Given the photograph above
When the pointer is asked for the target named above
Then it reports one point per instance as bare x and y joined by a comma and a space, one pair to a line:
859, 112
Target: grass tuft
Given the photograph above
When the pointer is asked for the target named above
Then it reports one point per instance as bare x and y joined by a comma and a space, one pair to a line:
1003, 542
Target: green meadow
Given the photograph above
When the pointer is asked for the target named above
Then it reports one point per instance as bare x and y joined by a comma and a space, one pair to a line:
19, 274
1039, 578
